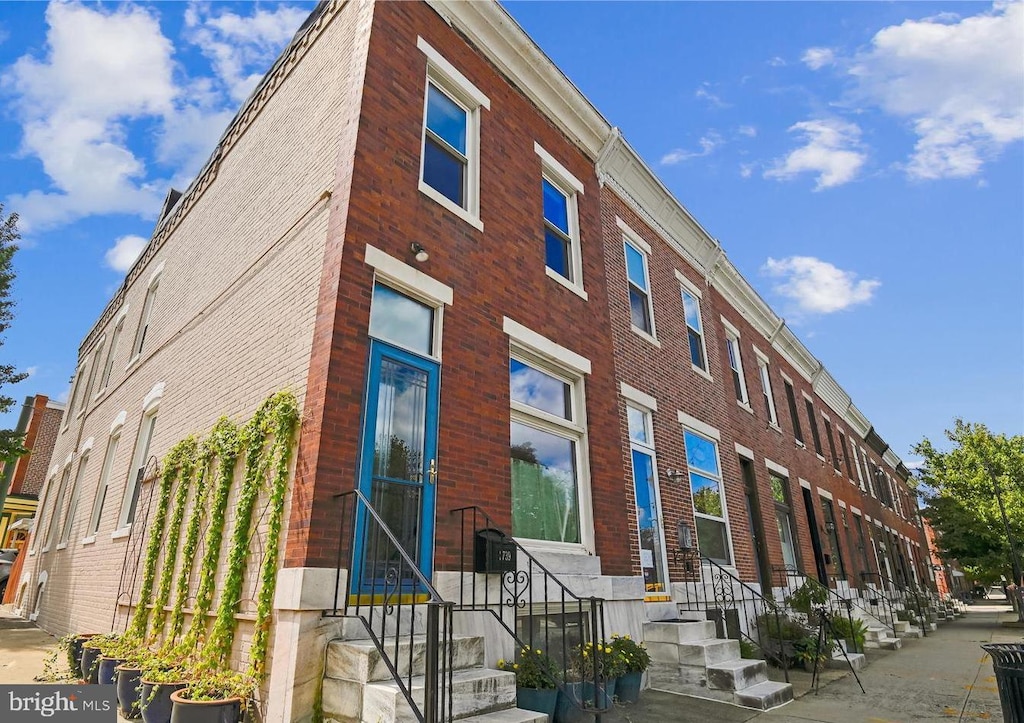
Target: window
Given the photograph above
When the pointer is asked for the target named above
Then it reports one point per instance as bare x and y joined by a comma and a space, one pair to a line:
449, 166
645, 489
694, 330
104, 483
640, 312
766, 390
791, 398
831, 445
856, 465
708, 497
93, 373
846, 454
135, 473
783, 519
108, 365
144, 319
51, 527
76, 392
41, 509
401, 320
559, 190
732, 348
546, 446
813, 422
76, 487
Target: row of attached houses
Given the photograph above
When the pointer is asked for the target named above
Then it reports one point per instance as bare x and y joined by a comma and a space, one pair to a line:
481, 296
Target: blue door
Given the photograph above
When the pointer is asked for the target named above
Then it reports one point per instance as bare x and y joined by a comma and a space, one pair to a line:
398, 466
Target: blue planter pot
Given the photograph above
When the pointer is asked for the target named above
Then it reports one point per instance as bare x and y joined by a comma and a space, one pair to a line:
105, 675
602, 696
129, 693
627, 689
90, 664
539, 701
569, 706
156, 701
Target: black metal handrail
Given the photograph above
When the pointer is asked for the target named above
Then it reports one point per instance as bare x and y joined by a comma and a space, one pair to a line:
529, 587
806, 594
907, 598
739, 611
386, 591
885, 606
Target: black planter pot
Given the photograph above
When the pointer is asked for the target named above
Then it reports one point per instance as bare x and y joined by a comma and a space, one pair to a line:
76, 650
207, 711
106, 675
90, 664
156, 701
129, 693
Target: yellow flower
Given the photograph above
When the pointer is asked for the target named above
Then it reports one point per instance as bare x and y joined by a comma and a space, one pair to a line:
515, 667
538, 652
501, 663
627, 637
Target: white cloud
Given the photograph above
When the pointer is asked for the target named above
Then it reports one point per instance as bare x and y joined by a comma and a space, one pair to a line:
242, 48
31, 372
748, 131
102, 70
704, 93
816, 286
708, 143
817, 58
958, 83
123, 253
777, 62
746, 170
831, 150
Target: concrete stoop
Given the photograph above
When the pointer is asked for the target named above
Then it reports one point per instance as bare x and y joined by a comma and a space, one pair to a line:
358, 686
686, 658
881, 638
904, 629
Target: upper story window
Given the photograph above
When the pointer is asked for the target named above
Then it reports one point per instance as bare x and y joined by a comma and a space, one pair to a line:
450, 162
831, 444
115, 338
694, 327
133, 485
76, 393
813, 421
846, 453
732, 349
76, 487
766, 389
104, 482
144, 319
641, 314
562, 255
794, 417
94, 368
51, 528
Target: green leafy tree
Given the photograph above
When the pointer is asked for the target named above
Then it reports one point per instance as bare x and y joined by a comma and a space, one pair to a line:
960, 488
10, 441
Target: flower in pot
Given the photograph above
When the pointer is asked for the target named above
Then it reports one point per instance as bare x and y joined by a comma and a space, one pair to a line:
632, 660
536, 681
159, 677
213, 696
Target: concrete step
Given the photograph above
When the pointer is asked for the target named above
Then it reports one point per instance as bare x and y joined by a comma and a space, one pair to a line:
474, 692
736, 674
857, 660
901, 626
911, 632
696, 652
360, 661
764, 696
678, 631
685, 680
509, 715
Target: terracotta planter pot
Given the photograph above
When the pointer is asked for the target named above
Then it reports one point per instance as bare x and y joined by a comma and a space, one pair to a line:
129, 691
156, 700
228, 710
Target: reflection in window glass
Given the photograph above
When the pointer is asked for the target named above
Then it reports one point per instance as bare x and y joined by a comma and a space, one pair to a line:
536, 389
706, 491
444, 146
639, 295
693, 330
637, 425
557, 242
701, 453
544, 485
396, 318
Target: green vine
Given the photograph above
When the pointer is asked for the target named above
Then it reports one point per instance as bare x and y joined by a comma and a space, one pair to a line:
188, 551
225, 443
184, 453
282, 418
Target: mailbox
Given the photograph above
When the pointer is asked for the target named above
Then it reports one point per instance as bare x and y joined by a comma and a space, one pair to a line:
493, 552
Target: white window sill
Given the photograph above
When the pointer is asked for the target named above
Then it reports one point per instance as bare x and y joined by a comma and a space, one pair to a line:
820, 456
645, 336
776, 427
578, 290
702, 372
459, 211
62, 546
90, 540
744, 406
31, 553
799, 444
838, 473
123, 532
44, 550
132, 362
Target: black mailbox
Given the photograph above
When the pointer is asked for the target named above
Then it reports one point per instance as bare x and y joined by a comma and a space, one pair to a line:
493, 552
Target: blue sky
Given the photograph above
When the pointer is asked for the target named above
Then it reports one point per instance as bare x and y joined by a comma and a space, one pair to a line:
861, 163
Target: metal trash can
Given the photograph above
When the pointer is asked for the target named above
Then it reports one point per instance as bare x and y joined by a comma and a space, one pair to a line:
1008, 662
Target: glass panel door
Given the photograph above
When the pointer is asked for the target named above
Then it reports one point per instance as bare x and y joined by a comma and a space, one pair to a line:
652, 544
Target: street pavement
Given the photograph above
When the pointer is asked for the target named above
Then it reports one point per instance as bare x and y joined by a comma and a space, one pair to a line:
944, 677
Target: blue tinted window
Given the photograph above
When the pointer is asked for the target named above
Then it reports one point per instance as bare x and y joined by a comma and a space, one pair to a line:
556, 208
635, 267
556, 251
443, 171
700, 454
446, 119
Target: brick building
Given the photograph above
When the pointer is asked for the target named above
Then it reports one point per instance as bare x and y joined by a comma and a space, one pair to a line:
480, 295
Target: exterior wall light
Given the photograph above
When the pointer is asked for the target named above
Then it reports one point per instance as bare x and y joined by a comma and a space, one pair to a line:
419, 252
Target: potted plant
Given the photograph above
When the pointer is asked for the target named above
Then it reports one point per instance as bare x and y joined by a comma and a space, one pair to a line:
536, 681
853, 633
92, 650
808, 654
159, 677
633, 659
778, 633
213, 696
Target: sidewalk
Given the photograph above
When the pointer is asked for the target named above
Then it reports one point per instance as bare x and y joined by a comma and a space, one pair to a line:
944, 677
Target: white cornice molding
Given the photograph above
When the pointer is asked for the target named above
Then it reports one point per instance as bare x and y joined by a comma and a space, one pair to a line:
891, 459
498, 36
857, 421
829, 391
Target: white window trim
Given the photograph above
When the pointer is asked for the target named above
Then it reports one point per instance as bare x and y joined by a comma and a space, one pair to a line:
150, 408
776, 468
447, 78
407, 278
146, 316
638, 397
700, 427
106, 472
763, 363
574, 429
804, 483
732, 335
543, 347
693, 290
745, 452
644, 249
558, 176
826, 494
721, 485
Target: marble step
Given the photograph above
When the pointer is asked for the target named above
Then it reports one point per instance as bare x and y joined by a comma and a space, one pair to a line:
858, 661
508, 715
678, 631
763, 696
360, 661
736, 674
695, 652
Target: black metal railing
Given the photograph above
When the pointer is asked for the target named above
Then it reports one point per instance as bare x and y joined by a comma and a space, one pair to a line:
740, 612
533, 606
908, 599
876, 601
807, 595
396, 603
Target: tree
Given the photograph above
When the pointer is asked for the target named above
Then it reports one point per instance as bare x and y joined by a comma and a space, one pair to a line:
10, 441
974, 497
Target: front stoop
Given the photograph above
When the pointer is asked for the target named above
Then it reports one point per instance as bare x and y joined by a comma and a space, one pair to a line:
359, 688
688, 659
881, 638
857, 661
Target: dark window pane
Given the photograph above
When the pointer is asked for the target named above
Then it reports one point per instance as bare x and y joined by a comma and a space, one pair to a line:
737, 385
556, 208
712, 540
638, 311
696, 350
446, 119
557, 253
443, 171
